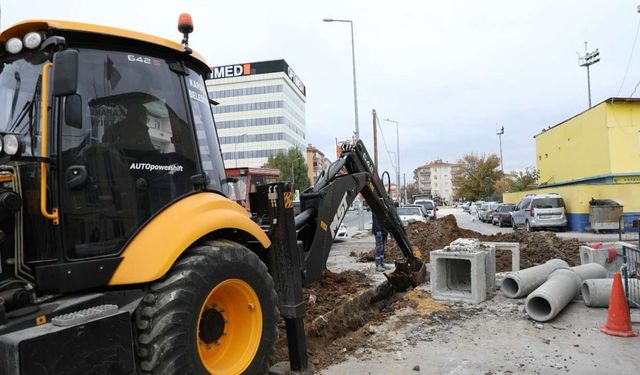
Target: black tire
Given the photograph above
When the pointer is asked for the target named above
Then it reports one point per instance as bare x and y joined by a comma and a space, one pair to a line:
168, 319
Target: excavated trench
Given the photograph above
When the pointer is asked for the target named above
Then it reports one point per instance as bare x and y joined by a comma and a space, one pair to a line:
340, 307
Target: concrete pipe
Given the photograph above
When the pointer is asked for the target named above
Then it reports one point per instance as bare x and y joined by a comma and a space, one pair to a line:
563, 285
596, 292
519, 284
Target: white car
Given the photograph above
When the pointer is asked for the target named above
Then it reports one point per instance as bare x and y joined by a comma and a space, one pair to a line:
410, 214
342, 233
428, 207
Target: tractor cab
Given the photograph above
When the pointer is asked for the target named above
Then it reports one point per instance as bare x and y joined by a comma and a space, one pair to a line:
96, 140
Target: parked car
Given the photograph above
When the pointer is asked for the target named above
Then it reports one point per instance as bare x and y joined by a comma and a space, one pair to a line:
485, 209
410, 214
420, 207
502, 215
342, 233
428, 207
540, 211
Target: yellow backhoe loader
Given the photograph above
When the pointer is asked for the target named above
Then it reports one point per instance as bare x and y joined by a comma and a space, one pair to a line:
119, 250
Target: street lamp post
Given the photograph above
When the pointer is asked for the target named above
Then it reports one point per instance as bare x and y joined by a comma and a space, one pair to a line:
397, 154
500, 132
355, 90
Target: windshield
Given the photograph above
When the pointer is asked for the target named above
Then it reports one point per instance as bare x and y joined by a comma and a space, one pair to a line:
136, 143
20, 95
547, 203
409, 211
238, 189
427, 205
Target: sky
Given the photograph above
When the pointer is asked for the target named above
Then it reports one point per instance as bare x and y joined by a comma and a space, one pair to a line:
449, 72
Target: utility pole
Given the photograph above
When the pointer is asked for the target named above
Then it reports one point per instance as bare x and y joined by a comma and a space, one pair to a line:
500, 132
587, 60
404, 175
375, 140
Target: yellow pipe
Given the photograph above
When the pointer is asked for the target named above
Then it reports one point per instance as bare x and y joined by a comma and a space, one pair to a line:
44, 114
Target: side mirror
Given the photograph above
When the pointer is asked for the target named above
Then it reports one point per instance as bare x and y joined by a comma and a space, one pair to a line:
73, 111
65, 72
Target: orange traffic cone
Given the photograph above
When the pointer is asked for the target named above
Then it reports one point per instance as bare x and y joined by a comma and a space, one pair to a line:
619, 319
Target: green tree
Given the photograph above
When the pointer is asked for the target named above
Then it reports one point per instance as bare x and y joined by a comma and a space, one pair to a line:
476, 176
289, 161
524, 180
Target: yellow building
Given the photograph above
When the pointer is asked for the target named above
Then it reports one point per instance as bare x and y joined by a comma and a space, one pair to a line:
595, 154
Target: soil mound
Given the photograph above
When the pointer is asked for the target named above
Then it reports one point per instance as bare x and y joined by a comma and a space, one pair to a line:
535, 247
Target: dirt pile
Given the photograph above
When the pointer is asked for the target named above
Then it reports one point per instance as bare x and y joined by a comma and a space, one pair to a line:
535, 247
538, 247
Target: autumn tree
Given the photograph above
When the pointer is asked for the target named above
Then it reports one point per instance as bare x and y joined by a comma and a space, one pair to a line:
412, 189
524, 180
288, 162
476, 176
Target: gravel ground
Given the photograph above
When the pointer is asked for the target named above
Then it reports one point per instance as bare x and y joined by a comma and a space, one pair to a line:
494, 337
414, 334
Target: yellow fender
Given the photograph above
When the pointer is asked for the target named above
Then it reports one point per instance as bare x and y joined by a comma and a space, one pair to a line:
155, 248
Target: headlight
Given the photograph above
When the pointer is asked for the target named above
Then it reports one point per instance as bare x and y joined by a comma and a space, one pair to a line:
12, 144
14, 45
32, 40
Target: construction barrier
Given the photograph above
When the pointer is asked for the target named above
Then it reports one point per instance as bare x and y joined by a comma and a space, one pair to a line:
630, 271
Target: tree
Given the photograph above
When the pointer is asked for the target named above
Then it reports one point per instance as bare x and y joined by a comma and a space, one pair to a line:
476, 176
524, 180
412, 189
289, 161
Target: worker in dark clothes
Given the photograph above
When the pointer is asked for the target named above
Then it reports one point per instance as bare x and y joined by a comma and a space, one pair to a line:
381, 239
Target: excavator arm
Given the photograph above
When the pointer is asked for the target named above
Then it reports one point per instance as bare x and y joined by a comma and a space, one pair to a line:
300, 244
326, 202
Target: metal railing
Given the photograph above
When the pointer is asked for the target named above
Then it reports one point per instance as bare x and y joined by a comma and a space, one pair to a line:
631, 236
630, 271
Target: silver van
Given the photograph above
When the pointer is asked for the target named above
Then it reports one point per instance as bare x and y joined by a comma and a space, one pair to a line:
540, 211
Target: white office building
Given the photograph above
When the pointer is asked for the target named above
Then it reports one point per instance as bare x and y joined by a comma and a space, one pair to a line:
260, 111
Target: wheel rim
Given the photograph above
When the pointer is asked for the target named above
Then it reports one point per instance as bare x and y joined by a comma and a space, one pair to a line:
229, 327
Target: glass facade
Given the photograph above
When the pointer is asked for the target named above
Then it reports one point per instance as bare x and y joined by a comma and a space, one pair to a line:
261, 121
258, 115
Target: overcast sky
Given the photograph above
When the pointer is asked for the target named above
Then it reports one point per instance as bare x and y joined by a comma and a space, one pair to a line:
447, 71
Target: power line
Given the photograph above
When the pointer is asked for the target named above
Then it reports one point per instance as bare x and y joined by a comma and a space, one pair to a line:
633, 47
384, 141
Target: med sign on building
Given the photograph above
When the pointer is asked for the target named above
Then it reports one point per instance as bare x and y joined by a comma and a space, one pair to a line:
261, 111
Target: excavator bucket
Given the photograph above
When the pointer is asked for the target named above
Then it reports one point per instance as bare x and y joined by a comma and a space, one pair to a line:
407, 275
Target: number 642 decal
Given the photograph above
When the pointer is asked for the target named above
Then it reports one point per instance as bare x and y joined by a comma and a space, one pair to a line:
139, 59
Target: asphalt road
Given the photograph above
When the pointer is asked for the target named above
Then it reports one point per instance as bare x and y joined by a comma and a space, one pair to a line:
352, 220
